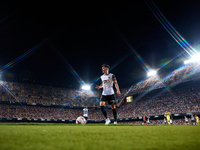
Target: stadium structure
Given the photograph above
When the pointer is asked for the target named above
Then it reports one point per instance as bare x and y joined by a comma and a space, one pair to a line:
177, 92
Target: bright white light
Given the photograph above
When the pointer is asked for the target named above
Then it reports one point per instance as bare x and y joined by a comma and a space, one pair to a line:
85, 87
151, 73
195, 58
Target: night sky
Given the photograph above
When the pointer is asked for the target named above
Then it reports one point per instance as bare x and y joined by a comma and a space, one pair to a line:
53, 38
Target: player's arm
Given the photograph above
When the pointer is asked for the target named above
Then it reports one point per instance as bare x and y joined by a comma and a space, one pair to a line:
116, 85
99, 86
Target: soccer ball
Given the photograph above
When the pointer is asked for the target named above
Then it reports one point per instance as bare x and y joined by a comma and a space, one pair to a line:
80, 120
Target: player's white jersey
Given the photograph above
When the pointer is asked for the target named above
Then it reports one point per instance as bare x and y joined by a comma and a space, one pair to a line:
148, 120
192, 117
186, 119
107, 83
85, 112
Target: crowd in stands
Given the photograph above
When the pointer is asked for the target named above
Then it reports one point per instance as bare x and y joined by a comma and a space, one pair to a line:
30, 93
37, 112
178, 100
183, 74
147, 100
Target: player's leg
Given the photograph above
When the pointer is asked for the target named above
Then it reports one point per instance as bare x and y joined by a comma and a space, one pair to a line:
113, 107
102, 105
85, 118
112, 103
171, 123
168, 120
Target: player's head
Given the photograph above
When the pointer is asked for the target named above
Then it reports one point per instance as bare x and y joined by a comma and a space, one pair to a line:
105, 68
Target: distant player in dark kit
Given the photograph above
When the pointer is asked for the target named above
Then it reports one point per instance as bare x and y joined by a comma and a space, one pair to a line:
144, 120
108, 94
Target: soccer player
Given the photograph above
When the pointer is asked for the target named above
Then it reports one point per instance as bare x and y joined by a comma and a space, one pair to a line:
197, 120
85, 113
192, 119
186, 120
144, 119
108, 92
171, 121
148, 122
168, 116
165, 122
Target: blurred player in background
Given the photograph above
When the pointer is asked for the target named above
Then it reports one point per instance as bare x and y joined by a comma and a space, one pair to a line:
144, 119
165, 121
171, 122
85, 113
186, 120
168, 116
192, 119
108, 92
197, 120
148, 122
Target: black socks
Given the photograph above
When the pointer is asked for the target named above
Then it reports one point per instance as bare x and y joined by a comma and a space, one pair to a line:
104, 111
114, 114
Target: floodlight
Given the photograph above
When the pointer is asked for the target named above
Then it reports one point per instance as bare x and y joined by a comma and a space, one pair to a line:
85, 87
187, 61
194, 58
151, 73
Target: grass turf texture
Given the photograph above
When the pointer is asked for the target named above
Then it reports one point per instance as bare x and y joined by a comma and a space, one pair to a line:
97, 136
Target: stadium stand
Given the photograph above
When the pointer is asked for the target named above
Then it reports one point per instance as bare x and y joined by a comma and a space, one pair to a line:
178, 93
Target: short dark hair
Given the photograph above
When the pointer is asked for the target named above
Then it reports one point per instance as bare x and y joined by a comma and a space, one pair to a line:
106, 65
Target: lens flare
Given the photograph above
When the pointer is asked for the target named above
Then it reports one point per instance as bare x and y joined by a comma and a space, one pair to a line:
24, 55
69, 67
170, 29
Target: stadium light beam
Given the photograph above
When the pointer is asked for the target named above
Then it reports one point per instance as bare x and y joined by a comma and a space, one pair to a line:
85, 87
151, 73
170, 29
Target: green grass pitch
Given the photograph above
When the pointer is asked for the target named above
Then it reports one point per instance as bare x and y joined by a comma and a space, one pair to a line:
26, 136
